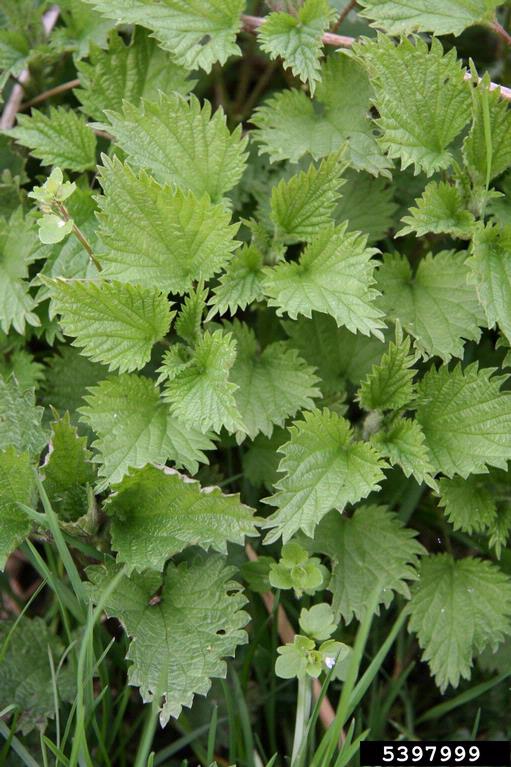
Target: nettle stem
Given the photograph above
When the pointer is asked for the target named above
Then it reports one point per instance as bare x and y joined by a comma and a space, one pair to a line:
79, 236
303, 707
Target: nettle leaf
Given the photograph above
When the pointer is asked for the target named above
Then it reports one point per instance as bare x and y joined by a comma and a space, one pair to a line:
306, 202
443, 17
14, 53
274, 383
436, 306
297, 38
491, 272
155, 235
19, 247
180, 637
201, 392
197, 33
241, 284
189, 320
403, 443
60, 138
134, 427
181, 143
422, 99
84, 30
466, 419
389, 385
157, 513
67, 470
338, 354
30, 671
292, 125
68, 377
440, 210
16, 486
261, 458
499, 132
20, 419
373, 546
128, 73
334, 275
469, 504
366, 204
459, 609
324, 469
114, 323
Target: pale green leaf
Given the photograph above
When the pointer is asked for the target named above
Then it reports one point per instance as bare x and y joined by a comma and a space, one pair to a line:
373, 546
20, 419
60, 138
189, 319
157, 513
241, 284
180, 634
197, 33
181, 143
458, 610
114, 323
324, 469
442, 17
134, 427
469, 504
403, 443
19, 246
292, 125
422, 99
440, 210
296, 39
334, 275
389, 385
16, 486
475, 144
436, 305
466, 419
305, 203
274, 382
201, 392
155, 235
490, 267
127, 73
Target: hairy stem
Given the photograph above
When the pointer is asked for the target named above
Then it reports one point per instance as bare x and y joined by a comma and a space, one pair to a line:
62, 88
345, 11
79, 235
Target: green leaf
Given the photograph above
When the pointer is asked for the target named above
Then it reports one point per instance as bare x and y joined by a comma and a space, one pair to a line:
241, 284
274, 383
469, 503
318, 622
114, 323
14, 53
292, 125
389, 385
366, 204
443, 17
201, 392
324, 469
59, 138
422, 99
458, 610
16, 486
373, 546
127, 73
466, 419
334, 275
339, 355
23, 367
20, 419
440, 210
53, 229
197, 33
134, 427
296, 39
68, 377
83, 31
261, 459
19, 247
179, 637
491, 273
436, 305
403, 443
475, 146
68, 471
26, 674
305, 203
157, 513
189, 319
155, 235
181, 143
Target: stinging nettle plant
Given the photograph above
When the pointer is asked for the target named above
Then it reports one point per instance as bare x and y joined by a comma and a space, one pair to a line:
269, 310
